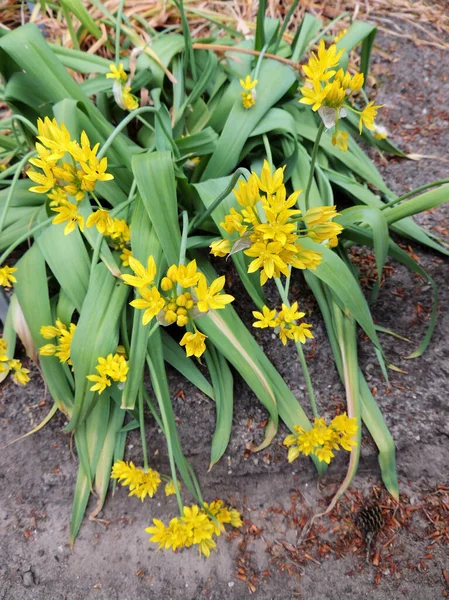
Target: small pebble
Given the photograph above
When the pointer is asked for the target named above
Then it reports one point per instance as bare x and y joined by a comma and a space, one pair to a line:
28, 579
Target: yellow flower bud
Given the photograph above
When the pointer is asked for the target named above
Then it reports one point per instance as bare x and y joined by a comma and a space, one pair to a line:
181, 300
170, 316
182, 320
166, 284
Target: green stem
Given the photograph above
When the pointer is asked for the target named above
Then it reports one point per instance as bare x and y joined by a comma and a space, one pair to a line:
196, 222
26, 122
24, 237
312, 163
132, 115
13, 187
259, 61
70, 27
422, 188
94, 196
142, 430
118, 26
169, 440
267, 146
284, 24
283, 292
185, 231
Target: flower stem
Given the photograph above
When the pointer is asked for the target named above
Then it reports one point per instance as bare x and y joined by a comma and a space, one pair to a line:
24, 237
118, 26
422, 188
266, 144
312, 163
142, 430
12, 187
283, 292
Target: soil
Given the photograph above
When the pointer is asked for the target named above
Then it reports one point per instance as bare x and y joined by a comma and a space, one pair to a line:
409, 555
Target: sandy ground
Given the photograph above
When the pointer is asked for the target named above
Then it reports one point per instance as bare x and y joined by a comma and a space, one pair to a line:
116, 562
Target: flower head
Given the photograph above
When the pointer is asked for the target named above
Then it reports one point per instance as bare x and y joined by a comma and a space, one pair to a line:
194, 343
210, 297
68, 213
116, 72
143, 276
6, 276
368, 115
141, 482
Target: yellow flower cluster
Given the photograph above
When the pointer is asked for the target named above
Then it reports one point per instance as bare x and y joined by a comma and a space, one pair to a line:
284, 323
64, 337
122, 92
112, 368
268, 226
249, 91
177, 304
141, 482
327, 90
20, 374
6, 276
117, 230
322, 439
62, 179
197, 526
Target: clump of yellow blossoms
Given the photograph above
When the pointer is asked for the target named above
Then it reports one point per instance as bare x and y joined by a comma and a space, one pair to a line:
328, 89
270, 228
322, 439
185, 296
122, 92
64, 180
141, 482
249, 91
195, 527
6, 276
20, 374
64, 337
112, 368
117, 230
284, 323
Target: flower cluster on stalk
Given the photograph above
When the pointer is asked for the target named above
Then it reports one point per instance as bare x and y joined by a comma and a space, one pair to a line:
112, 368
284, 322
6, 276
184, 296
121, 91
249, 91
327, 90
65, 183
269, 228
196, 526
63, 335
19, 373
322, 439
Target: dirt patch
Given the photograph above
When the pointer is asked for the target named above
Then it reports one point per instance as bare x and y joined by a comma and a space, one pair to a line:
409, 554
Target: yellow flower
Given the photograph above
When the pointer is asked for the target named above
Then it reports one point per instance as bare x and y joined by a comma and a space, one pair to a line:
101, 382
319, 214
220, 247
159, 533
198, 522
130, 101
95, 170
186, 276
266, 318
319, 65
151, 301
368, 115
112, 368
249, 92
267, 259
143, 276
301, 332
324, 454
357, 82
116, 72
194, 343
101, 219
324, 231
233, 222
141, 483
340, 139
68, 213
6, 276
170, 489
20, 375
210, 297
340, 34
247, 192
125, 256
54, 136
64, 335
270, 182
248, 84
46, 180
119, 232
57, 197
